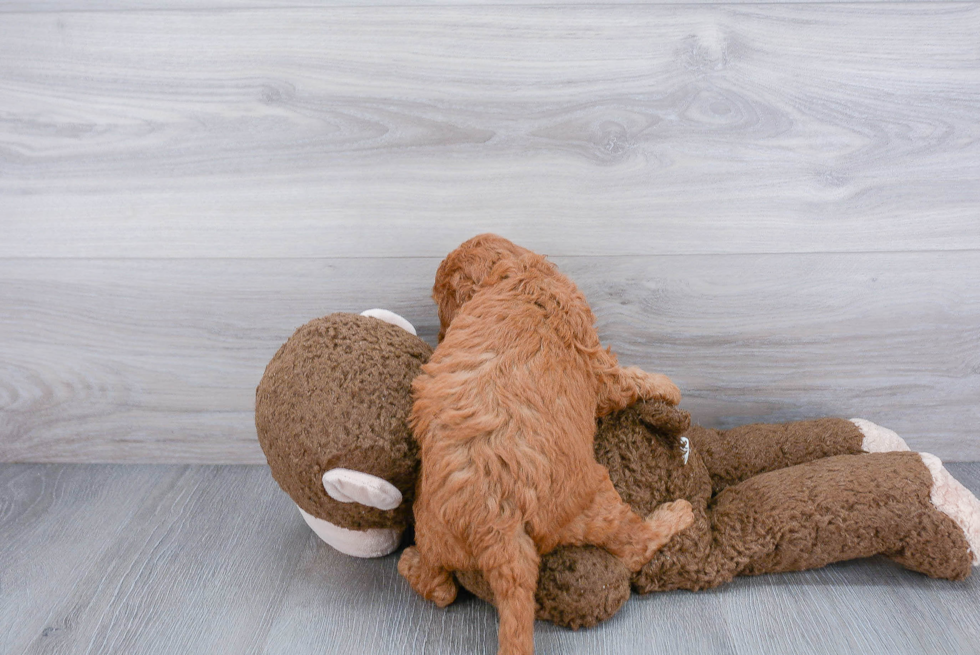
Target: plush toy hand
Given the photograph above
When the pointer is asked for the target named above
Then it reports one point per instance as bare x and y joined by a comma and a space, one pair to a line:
578, 586
663, 418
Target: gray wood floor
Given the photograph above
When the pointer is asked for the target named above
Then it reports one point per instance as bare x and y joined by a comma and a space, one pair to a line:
132, 559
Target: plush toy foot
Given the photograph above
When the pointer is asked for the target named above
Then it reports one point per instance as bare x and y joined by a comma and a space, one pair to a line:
431, 583
955, 501
878, 439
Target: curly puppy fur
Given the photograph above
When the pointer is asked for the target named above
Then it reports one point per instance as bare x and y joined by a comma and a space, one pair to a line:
505, 415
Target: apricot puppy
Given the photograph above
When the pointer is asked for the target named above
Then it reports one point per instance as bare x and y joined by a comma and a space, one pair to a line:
504, 414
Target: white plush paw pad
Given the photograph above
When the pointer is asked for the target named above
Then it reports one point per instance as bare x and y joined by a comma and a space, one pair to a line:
375, 542
347, 486
878, 439
955, 501
390, 317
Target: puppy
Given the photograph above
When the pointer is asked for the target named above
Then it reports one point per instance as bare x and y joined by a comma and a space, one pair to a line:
505, 414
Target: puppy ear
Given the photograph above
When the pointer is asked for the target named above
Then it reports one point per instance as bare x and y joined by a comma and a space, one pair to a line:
466, 269
502, 270
459, 277
662, 418
452, 288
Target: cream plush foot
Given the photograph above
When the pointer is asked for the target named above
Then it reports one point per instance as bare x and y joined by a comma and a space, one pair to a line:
878, 439
955, 501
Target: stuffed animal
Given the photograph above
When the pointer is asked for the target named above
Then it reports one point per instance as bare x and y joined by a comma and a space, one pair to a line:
767, 499
331, 414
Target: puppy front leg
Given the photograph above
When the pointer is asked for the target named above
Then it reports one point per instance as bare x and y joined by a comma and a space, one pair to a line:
620, 387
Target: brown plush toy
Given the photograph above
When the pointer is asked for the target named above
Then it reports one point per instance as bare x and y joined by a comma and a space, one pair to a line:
767, 499
331, 416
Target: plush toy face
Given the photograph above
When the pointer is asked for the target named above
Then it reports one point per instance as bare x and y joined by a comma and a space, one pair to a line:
331, 415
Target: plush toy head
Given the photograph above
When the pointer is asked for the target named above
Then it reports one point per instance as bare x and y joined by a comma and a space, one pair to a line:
331, 415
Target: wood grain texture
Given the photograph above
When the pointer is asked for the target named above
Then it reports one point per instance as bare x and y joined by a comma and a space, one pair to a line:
133, 560
57, 523
24, 6
625, 130
157, 360
143, 559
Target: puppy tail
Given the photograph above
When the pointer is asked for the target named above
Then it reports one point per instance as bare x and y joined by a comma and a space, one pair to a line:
511, 569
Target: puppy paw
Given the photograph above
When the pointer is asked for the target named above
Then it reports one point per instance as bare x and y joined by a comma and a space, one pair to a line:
431, 583
663, 523
444, 594
409, 564
654, 386
676, 516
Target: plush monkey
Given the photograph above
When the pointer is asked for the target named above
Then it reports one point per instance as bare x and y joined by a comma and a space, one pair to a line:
767, 499
331, 416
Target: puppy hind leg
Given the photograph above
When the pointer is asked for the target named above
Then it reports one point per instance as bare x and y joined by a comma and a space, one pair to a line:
432, 582
511, 569
611, 524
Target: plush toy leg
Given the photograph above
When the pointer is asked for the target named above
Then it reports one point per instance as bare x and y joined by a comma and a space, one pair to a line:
807, 516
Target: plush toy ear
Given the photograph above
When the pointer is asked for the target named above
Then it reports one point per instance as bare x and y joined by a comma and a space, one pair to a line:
390, 317
347, 486
663, 418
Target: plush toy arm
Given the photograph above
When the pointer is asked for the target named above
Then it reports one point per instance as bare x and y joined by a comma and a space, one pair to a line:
732, 456
738, 454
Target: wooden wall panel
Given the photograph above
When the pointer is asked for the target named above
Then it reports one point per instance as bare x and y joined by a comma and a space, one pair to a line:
36, 6
593, 130
776, 204
157, 360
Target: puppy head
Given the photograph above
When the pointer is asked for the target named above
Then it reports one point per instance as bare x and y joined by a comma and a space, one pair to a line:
466, 269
